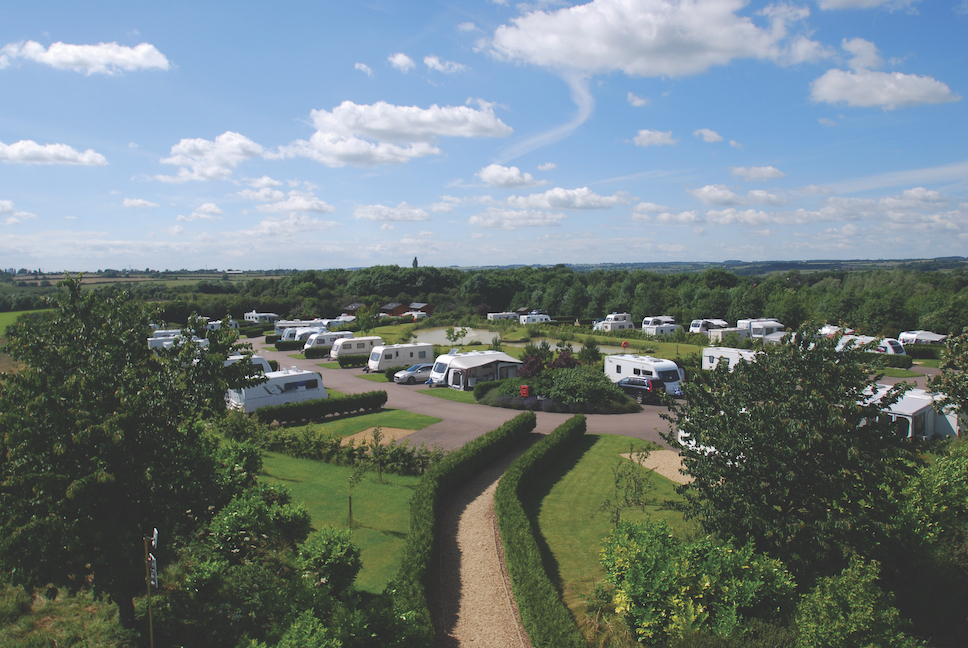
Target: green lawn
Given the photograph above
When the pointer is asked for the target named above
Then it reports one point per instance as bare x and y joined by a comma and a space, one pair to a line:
928, 362
571, 531
449, 394
380, 511
6, 319
379, 377
894, 372
391, 418
328, 365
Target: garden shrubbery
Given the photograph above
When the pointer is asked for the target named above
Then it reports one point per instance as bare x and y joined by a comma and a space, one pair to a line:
313, 353
579, 390
391, 372
314, 410
351, 361
289, 345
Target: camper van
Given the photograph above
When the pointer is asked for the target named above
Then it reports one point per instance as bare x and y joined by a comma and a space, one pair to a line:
281, 387
627, 364
355, 346
325, 338
464, 370
614, 322
660, 325
712, 356
261, 364
217, 324
706, 325
534, 317
168, 342
396, 355
260, 318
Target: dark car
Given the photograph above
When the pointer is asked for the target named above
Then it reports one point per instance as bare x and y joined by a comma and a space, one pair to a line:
416, 373
643, 390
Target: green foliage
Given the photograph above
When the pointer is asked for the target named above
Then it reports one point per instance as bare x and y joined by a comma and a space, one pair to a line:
938, 500
953, 381
887, 360
351, 361
392, 371
547, 621
630, 484
313, 353
793, 454
849, 610
582, 385
455, 335
481, 389
317, 409
667, 588
366, 320
590, 353
289, 345
329, 558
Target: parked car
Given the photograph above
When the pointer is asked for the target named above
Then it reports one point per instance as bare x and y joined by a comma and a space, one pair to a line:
414, 374
643, 390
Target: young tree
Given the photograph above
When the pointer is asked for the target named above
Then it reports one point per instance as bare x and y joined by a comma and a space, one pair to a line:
98, 445
365, 319
793, 453
953, 380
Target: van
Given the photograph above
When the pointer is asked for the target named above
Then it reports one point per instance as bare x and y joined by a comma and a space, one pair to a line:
626, 364
325, 339
396, 355
355, 346
281, 387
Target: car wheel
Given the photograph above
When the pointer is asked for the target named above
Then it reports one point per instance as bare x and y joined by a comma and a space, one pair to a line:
638, 398
411, 380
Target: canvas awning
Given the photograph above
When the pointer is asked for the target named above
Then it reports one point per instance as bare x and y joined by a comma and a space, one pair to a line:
469, 362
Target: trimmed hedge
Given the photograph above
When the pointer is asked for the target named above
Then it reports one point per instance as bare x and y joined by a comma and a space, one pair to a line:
352, 361
274, 365
547, 621
887, 360
289, 345
272, 339
314, 410
392, 371
317, 352
482, 388
924, 351
409, 588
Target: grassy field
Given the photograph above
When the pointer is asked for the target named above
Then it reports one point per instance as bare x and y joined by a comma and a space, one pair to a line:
571, 529
449, 394
391, 418
6, 319
380, 511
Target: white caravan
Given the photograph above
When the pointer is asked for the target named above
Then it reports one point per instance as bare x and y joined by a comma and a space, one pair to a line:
325, 338
717, 335
355, 346
761, 327
281, 387
706, 325
626, 364
614, 322
302, 333
261, 364
260, 318
173, 340
281, 325
493, 317
918, 418
464, 370
660, 325
397, 355
217, 324
889, 346
712, 356
920, 337
534, 317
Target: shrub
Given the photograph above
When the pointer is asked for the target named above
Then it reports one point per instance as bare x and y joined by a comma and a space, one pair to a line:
924, 351
289, 345
317, 352
481, 389
392, 371
886, 360
329, 557
272, 339
584, 386
314, 410
274, 365
350, 361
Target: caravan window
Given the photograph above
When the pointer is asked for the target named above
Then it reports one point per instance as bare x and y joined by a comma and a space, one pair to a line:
360, 345
293, 386
312, 384
375, 356
670, 375
421, 354
618, 369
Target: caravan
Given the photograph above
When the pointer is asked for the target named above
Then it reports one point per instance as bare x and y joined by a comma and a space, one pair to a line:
761, 327
707, 325
398, 355
614, 322
281, 387
260, 364
660, 325
534, 317
260, 318
354, 346
464, 370
626, 364
712, 356
325, 339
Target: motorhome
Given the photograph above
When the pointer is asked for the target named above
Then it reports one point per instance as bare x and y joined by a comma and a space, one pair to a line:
534, 317
396, 355
660, 325
626, 364
355, 346
494, 317
302, 333
706, 325
260, 364
281, 387
760, 327
614, 322
325, 339
888, 346
464, 370
917, 415
260, 318
712, 356
166, 333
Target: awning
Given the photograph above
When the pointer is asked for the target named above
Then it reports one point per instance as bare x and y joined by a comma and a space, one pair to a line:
471, 361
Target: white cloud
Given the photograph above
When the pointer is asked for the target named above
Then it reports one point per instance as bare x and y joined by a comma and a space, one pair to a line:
558, 198
667, 218
402, 62
547, 166
30, 152
467, 27
402, 212
442, 208
363, 67
735, 144
716, 195
654, 138
6, 207
648, 207
757, 173
265, 194
138, 203
176, 230
298, 201
652, 38
387, 227
447, 67
865, 56
733, 216
206, 211
890, 90
760, 197
510, 219
202, 159
264, 181
865, 4
826, 121
707, 135
503, 177
637, 101
103, 58
339, 150
295, 225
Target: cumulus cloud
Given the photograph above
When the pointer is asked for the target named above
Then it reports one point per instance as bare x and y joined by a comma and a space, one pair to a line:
103, 58
295, 224
202, 159
467, 27
138, 203
402, 132
206, 211
652, 38
503, 177
265, 194
636, 100
547, 166
707, 135
30, 152
510, 219
15, 217
402, 212
298, 201
865, 56
648, 208
668, 218
889, 90
723, 195
364, 68
264, 181
757, 173
654, 138
447, 67
733, 216
402, 62
558, 198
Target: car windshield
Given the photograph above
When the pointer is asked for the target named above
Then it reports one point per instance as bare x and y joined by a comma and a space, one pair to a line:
415, 368
669, 375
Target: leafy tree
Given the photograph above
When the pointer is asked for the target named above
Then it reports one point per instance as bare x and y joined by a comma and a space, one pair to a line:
953, 380
793, 453
455, 335
365, 319
590, 353
98, 445
630, 483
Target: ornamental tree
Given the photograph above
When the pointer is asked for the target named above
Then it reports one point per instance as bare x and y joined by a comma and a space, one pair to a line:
99, 443
793, 453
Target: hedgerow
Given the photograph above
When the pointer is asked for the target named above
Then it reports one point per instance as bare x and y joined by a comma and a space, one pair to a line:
314, 410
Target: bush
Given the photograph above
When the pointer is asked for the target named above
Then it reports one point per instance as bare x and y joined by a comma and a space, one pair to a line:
543, 614
481, 389
350, 361
272, 339
289, 345
924, 351
313, 353
391, 371
887, 360
314, 410
274, 365
329, 558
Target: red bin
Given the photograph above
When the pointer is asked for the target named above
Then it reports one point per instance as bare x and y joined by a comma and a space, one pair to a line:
525, 390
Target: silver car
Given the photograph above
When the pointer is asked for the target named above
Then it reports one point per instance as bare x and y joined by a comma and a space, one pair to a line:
412, 375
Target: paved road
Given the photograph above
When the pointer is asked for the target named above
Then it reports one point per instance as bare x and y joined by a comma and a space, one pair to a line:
463, 422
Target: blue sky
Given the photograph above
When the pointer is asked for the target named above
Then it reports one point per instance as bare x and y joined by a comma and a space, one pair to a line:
324, 134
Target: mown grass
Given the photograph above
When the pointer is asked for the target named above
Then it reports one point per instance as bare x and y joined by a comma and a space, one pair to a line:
381, 512
894, 372
391, 418
328, 365
449, 394
378, 377
934, 363
78, 620
571, 528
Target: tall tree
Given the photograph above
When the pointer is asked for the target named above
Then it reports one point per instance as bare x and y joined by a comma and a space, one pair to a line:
98, 444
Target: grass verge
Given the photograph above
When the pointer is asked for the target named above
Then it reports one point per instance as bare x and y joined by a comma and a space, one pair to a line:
374, 377
328, 365
934, 363
449, 394
391, 418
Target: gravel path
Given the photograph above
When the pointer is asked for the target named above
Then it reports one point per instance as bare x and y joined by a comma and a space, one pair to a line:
471, 600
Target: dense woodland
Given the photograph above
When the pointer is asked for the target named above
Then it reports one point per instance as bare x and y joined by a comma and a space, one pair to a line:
878, 301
